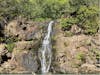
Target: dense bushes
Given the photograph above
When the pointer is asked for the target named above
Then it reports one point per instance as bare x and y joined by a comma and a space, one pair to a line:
81, 12
66, 23
33, 8
55, 8
83, 15
13, 8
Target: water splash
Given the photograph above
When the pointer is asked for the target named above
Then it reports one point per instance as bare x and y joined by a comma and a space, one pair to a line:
45, 52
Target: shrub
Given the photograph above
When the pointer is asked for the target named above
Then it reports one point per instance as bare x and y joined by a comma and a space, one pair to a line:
84, 15
90, 27
10, 47
66, 23
55, 8
88, 19
82, 12
80, 56
33, 8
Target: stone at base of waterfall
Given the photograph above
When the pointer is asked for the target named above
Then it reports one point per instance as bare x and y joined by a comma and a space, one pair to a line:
26, 59
15, 68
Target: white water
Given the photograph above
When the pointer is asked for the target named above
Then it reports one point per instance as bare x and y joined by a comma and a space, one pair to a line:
46, 50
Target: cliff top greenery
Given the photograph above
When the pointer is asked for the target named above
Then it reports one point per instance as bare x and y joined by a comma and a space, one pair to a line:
84, 13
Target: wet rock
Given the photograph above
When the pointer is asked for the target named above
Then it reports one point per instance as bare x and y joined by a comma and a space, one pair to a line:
29, 62
26, 59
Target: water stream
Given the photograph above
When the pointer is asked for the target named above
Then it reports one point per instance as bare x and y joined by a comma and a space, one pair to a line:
46, 50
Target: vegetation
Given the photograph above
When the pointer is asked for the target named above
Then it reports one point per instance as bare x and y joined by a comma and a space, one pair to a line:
10, 47
83, 13
80, 56
32, 8
66, 23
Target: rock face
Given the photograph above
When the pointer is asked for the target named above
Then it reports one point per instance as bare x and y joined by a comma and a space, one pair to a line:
27, 60
23, 30
75, 29
24, 57
76, 53
89, 68
71, 53
26, 37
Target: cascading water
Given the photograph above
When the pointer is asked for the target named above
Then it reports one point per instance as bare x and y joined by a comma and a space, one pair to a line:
45, 52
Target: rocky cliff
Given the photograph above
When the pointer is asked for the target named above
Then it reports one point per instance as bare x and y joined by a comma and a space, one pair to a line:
19, 46
22, 39
77, 53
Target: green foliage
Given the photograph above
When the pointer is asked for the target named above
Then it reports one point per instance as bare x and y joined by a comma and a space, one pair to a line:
66, 23
10, 47
33, 8
90, 27
55, 8
42, 19
83, 14
26, 8
80, 56
88, 19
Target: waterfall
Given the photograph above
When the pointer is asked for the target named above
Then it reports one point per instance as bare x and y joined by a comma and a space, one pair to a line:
46, 50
